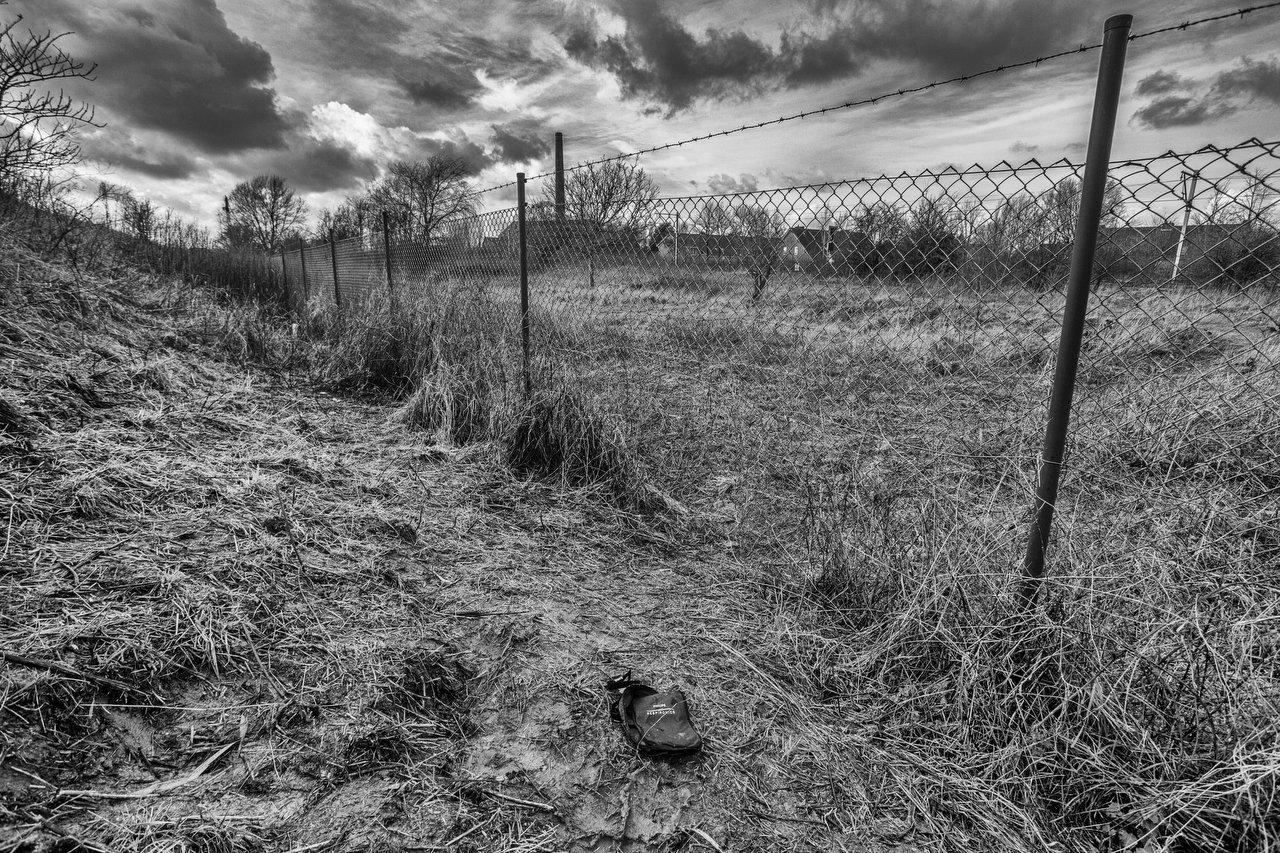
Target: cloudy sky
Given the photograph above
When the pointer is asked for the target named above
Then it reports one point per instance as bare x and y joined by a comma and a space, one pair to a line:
200, 94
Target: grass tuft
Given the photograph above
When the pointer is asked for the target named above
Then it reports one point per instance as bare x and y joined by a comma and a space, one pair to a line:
558, 436
461, 403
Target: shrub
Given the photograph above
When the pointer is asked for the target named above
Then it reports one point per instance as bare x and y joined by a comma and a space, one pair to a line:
1250, 256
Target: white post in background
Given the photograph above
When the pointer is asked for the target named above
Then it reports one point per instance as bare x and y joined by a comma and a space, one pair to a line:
677, 238
1188, 196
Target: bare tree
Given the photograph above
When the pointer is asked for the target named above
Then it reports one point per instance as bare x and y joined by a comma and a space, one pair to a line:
421, 196
267, 210
140, 218
609, 196
113, 194
1062, 208
233, 233
931, 239
1241, 200
969, 217
714, 218
348, 219
37, 125
762, 231
541, 211
605, 202
1018, 224
880, 221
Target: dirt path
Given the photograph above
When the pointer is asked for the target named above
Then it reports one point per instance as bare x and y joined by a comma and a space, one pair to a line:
338, 636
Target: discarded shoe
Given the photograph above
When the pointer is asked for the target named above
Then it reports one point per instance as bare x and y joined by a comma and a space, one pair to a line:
656, 723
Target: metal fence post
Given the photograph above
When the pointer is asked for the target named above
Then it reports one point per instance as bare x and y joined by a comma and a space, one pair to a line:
333, 261
302, 260
1186, 217
1101, 131
524, 285
284, 277
386, 251
559, 177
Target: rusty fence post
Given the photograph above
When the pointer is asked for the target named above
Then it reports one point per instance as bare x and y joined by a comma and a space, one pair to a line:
1189, 196
1102, 129
524, 285
333, 262
284, 276
386, 252
560, 208
302, 261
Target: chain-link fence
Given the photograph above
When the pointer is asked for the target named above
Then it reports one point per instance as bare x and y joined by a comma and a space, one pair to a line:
759, 347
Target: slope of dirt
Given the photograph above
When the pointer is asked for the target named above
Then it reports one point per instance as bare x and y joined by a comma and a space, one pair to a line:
237, 614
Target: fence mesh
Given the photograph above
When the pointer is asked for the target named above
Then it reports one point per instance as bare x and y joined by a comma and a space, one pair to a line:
766, 350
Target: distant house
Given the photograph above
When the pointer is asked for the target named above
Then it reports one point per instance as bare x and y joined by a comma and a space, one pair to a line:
804, 246
684, 242
827, 248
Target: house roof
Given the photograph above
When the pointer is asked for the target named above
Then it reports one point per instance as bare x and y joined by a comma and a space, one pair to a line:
815, 240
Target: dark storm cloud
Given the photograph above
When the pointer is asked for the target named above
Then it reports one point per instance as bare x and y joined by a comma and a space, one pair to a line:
446, 75
181, 70
473, 155
513, 145
320, 166
118, 151
1249, 80
370, 38
809, 59
443, 86
1162, 83
949, 38
1179, 111
356, 33
309, 165
658, 59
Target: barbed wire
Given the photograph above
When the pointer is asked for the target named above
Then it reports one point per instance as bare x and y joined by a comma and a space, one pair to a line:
875, 99
1003, 167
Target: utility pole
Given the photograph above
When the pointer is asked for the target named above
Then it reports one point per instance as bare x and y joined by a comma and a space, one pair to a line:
560, 208
1187, 196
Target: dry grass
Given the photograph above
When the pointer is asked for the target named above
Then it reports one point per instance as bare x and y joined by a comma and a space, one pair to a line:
557, 436
895, 430
399, 641
1131, 706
